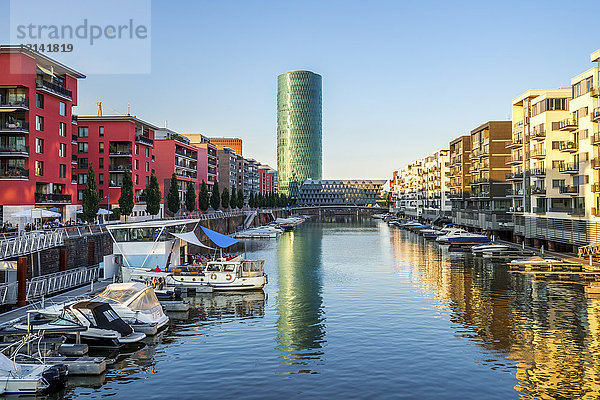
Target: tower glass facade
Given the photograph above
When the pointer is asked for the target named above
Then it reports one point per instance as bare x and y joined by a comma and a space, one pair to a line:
299, 132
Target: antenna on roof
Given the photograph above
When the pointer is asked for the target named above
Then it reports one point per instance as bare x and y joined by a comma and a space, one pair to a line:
128, 108
166, 123
99, 108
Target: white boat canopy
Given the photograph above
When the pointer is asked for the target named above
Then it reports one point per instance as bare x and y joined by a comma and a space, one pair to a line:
191, 237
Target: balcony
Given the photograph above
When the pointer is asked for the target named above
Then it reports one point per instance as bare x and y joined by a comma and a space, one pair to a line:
119, 152
74, 119
595, 139
15, 126
21, 104
537, 172
477, 153
53, 88
513, 176
568, 168
538, 153
576, 212
572, 190
515, 210
514, 193
74, 159
539, 210
515, 159
73, 139
119, 167
52, 198
569, 146
140, 199
14, 173
14, 151
569, 124
144, 140
595, 188
516, 142
538, 135
594, 92
595, 114
538, 191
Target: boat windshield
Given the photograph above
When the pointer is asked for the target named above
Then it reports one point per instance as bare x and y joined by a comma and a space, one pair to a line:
146, 300
120, 295
66, 318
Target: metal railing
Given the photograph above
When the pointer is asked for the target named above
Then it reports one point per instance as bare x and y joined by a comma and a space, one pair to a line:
60, 281
52, 198
8, 293
54, 88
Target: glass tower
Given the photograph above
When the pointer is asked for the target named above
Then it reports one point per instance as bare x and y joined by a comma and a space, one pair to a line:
299, 135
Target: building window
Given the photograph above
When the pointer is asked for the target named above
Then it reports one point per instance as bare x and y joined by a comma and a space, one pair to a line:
101, 179
147, 152
39, 168
39, 123
39, 146
80, 195
39, 100
83, 131
137, 179
62, 109
557, 183
62, 150
101, 131
82, 179
101, 147
137, 164
82, 147
82, 162
147, 166
137, 149
147, 180
62, 130
62, 171
101, 163
101, 193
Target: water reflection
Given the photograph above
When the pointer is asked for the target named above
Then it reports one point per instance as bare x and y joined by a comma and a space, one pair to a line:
300, 326
546, 333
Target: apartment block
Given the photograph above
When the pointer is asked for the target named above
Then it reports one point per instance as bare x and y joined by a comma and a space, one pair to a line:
36, 99
233, 143
412, 189
460, 170
267, 179
487, 207
436, 202
207, 158
113, 145
179, 156
340, 192
227, 171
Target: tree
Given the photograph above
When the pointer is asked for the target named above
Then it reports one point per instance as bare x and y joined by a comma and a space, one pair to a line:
215, 199
126, 200
240, 199
203, 200
173, 202
225, 198
153, 196
251, 200
190, 197
91, 199
233, 198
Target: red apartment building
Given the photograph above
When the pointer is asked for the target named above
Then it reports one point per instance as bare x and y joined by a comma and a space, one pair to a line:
207, 158
177, 156
266, 179
114, 144
36, 97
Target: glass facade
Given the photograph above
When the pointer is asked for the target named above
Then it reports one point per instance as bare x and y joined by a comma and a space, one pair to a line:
299, 133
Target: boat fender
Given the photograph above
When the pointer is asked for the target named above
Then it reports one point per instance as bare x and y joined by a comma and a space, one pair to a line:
213, 276
228, 277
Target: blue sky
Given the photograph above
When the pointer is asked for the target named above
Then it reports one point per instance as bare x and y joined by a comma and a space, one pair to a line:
400, 79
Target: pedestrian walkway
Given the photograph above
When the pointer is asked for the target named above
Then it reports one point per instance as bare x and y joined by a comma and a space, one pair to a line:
83, 291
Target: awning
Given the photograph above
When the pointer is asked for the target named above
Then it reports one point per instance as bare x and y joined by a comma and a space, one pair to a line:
191, 237
46, 70
219, 239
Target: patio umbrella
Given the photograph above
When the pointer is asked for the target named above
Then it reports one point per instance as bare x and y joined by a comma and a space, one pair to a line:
103, 211
36, 213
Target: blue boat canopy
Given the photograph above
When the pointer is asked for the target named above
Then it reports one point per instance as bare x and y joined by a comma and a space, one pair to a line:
219, 239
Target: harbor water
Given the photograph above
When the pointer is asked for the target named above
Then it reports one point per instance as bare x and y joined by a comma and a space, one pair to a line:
357, 309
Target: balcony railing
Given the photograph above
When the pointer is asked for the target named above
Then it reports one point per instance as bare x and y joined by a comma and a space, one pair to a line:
14, 150
576, 212
595, 187
514, 176
140, 198
515, 159
512, 192
73, 139
516, 142
538, 191
119, 167
538, 135
74, 159
539, 210
569, 190
13, 173
538, 153
595, 115
119, 152
569, 146
595, 162
19, 103
568, 167
52, 198
537, 172
144, 140
515, 210
569, 124
15, 126
52, 87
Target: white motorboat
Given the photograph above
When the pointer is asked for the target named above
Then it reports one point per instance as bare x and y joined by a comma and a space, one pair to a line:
136, 304
536, 260
21, 379
492, 247
104, 327
235, 274
449, 232
430, 233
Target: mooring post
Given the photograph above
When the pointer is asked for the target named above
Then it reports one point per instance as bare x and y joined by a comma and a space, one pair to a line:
22, 281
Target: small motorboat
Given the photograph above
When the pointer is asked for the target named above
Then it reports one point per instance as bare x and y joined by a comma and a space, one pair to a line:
137, 304
449, 232
96, 323
492, 247
430, 233
468, 239
536, 260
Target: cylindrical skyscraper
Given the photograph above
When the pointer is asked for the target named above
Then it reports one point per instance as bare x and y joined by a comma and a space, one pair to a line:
299, 133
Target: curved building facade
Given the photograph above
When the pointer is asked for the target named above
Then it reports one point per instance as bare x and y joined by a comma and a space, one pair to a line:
299, 130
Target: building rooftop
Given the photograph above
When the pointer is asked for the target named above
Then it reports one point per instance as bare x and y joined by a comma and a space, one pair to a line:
41, 59
131, 118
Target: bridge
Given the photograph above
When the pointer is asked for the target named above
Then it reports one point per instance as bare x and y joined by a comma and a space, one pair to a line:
341, 209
